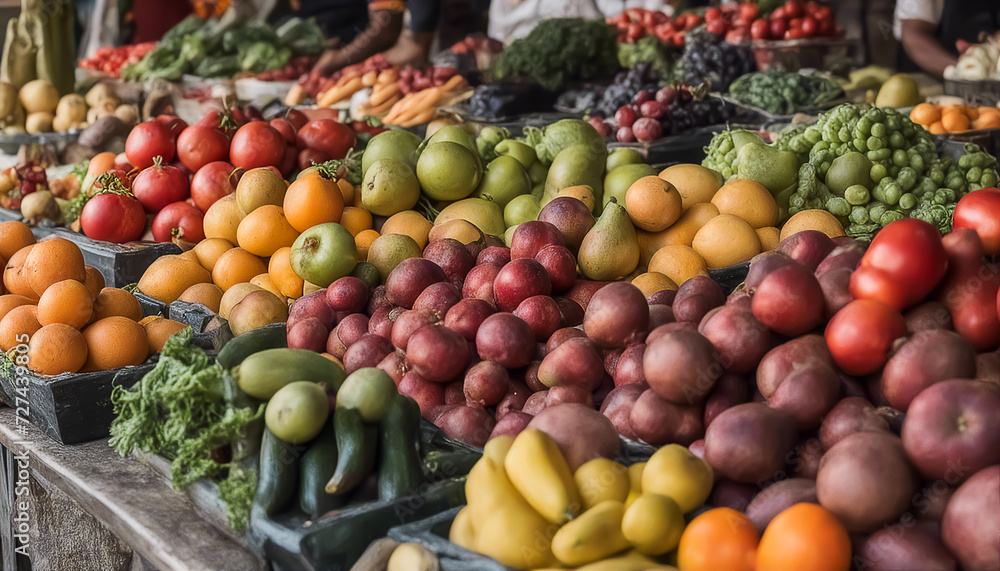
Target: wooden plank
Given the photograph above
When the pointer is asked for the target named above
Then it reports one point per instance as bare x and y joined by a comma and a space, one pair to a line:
132, 501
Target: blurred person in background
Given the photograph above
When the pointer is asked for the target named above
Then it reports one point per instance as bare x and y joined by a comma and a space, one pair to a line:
934, 32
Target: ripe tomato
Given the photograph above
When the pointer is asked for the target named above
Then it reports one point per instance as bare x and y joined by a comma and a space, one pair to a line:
175, 124
297, 118
809, 26
633, 33
257, 144
200, 144
861, 334
285, 127
794, 9
212, 182
148, 140
980, 211
712, 14
793, 34
749, 11
113, 217
778, 29
794, 23
665, 32
717, 27
903, 264
180, 219
332, 138
159, 186
760, 29
778, 13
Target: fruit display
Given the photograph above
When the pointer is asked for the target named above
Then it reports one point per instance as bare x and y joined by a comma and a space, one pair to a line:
954, 118
784, 93
37, 108
795, 20
867, 166
223, 48
978, 62
39, 44
110, 60
709, 59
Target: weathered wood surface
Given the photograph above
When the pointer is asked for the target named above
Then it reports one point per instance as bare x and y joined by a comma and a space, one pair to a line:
128, 498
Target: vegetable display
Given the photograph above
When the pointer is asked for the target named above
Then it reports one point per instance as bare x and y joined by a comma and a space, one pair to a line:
784, 93
112, 60
561, 50
39, 45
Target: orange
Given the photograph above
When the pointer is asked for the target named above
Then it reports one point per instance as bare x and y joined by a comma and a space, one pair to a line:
955, 122
770, 237
67, 302
114, 342
209, 295
51, 261
356, 219
236, 266
726, 240
282, 274
57, 348
223, 219
695, 183
989, 118
720, 538
348, 191
14, 235
816, 219
652, 203
18, 326
363, 241
265, 230
208, 251
936, 128
749, 200
94, 281
411, 223
681, 232
312, 200
158, 330
264, 281
652, 282
113, 301
168, 276
12, 300
972, 113
678, 262
14, 278
925, 114
804, 536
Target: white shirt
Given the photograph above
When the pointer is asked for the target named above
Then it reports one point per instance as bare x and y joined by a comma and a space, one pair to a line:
926, 10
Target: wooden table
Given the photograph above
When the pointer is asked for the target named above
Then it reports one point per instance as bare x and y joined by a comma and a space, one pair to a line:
88, 508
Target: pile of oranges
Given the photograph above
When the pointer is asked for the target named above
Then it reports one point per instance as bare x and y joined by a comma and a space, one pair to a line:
955, 118
59, 308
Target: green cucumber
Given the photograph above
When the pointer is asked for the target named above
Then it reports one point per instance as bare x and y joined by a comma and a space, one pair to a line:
400, 470
261, 375
449, 463
315, 469
277, 474
260, 339
356, 445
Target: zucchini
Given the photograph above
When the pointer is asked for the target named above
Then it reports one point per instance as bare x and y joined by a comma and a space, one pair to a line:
261, 374
449, 463
253, 341
400, 470
315, 469
277, 474
356, 445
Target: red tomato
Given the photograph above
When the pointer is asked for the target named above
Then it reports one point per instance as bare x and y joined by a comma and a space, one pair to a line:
749, 11
738, 35
778, 13
175, 124
633, 33
778, 29
903, 264
794, 9
113, 217
665, 32
148, 140
257, 144
794, 23
297, 118
809, 26
158, 186
285, 127
647, 19
179, 219
309, 156
200, 144
861, 335
970, 289
660, 17
333, 139
980, 211
824, 29
823, 12
760, 29
717, 27
678, 23
693, 21
212, 182
713, 14
679, 37
793, 33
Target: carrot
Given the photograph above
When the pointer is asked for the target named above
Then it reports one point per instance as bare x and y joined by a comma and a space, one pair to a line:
340, 93
369, 78
382, 93
385, 106
420, 118
454, 83
398, 107
390, 75
100, 164
296, 95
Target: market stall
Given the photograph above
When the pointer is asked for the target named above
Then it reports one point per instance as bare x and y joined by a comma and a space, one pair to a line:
661, 291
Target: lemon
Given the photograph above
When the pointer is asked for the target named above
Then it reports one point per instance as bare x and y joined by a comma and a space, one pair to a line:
601, 479
653, 524
675, 472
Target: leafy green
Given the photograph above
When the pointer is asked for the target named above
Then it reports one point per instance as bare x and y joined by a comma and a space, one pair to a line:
262, 56
648, 49
183, 409
304, 37
562, 50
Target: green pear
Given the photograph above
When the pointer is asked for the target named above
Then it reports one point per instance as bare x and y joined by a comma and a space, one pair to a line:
522, 209
573, 166
624, 156
610, 249
775, 169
